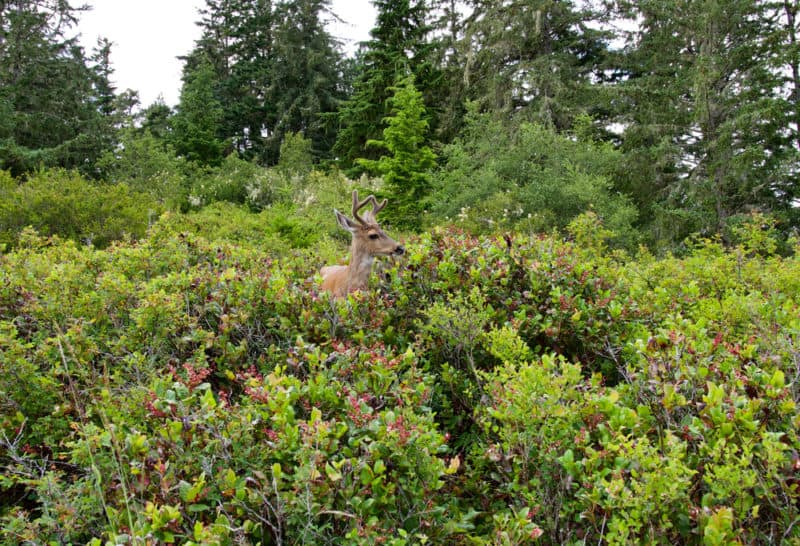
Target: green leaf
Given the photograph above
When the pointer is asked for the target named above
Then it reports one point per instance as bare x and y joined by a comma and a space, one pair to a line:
777, 380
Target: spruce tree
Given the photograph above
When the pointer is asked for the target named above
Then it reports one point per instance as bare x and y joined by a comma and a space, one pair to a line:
398, 45
534, 58
54, 102
705, 135
237, 43
196, 126
276, 70
406, 170
304, 77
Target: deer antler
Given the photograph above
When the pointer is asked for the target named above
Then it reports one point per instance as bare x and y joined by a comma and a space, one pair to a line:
376, 207
359, 204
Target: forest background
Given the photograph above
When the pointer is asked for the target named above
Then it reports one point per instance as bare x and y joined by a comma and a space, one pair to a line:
667, 119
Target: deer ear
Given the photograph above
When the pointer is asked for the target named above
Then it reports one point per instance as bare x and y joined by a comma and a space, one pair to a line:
345, 222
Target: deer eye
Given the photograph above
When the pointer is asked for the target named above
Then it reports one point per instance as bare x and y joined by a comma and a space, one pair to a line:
373, 236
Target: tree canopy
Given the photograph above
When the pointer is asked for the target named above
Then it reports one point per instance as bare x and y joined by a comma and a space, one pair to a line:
699, 102
55, 102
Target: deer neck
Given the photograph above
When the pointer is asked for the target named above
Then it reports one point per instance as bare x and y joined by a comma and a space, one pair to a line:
359, 268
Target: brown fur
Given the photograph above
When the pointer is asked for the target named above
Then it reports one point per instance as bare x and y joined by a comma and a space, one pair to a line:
369, 240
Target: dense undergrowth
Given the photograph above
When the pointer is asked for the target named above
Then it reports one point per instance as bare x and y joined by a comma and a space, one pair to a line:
496, 390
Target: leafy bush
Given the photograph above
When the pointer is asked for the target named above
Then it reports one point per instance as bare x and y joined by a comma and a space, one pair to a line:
487, 390
563, 448
296, 155
529, 178
235, 181
149, 165
306, 453
57, 202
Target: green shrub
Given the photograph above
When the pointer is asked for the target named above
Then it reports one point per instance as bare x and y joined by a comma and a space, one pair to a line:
196, 386
62, 203
296, 155
564, 449
235, 181
529, 178
279, 228
149, 165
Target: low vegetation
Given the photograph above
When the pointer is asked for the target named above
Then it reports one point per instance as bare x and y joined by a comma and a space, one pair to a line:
194, 386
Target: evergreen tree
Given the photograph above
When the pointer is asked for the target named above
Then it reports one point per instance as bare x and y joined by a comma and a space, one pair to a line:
106, 92
783, 20
398, 45
156, 119
237, 42
304, 77
448, 91
705, 138
537, 58
55, 104
276, 70
791, 61
196, 126
406, 171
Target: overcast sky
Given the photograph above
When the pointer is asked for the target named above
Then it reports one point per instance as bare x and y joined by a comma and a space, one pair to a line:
149, 35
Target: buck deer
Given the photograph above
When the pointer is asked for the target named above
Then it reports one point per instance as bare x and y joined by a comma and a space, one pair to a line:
369, 240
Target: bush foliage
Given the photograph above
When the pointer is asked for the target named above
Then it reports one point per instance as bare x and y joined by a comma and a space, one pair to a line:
185, 388
58, 202
530, 178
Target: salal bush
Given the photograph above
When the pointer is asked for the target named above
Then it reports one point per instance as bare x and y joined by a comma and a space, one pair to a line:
336, 443
565, 458
178, 401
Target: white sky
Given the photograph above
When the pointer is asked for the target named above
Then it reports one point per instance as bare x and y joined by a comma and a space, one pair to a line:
149, 35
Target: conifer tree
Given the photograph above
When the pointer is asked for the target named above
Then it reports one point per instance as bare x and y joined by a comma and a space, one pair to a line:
275, 70
535, 58
705, 136
54, 102
305, 76
398, 45
237, 42
196, 127
406, 170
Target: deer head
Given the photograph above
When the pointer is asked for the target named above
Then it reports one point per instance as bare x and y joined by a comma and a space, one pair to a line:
369, 240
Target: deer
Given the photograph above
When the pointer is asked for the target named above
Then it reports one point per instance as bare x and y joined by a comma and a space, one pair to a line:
368, 241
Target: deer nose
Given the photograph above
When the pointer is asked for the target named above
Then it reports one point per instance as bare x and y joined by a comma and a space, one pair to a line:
399, 250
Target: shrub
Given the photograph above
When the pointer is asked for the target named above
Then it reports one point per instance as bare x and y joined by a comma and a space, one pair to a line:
62, 203
149, 165
528, 178
486, 390
562, 448
296, 155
